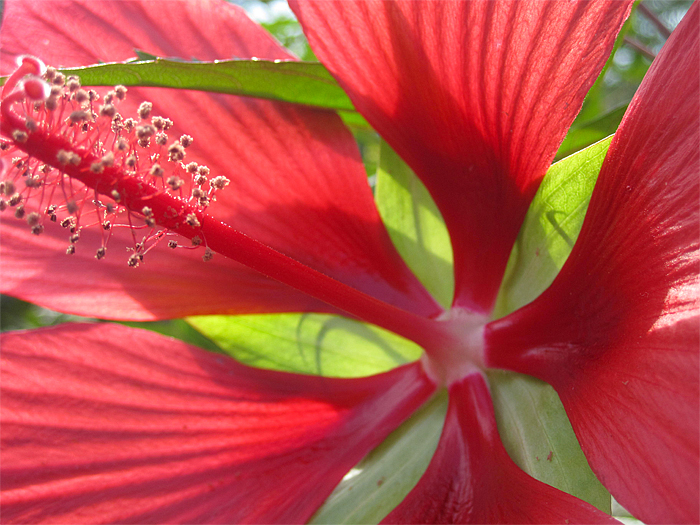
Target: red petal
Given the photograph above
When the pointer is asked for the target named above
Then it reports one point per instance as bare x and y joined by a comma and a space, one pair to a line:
298, 183
103, 423
471, 478
474, 96
166, 285
617, 332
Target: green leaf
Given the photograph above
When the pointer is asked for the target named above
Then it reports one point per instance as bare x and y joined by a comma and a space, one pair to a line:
415, 225
582, 135
538, 436
387, 474
316, 344
551, 226
307, 83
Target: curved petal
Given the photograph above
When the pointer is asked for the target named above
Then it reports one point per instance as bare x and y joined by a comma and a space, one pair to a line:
471, 478
106, 424
474, 96
617, 333
298, 183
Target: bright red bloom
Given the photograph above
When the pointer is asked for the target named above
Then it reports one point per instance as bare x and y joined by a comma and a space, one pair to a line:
106, 423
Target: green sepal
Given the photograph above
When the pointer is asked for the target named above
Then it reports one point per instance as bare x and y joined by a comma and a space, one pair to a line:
315, 344
537, 434
415, 225
387, 474
551, 227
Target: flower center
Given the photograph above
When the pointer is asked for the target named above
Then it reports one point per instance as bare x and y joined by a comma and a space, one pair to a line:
80, 163
452, 362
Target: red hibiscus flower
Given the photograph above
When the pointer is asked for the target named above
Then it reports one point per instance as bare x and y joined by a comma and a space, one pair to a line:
103, 423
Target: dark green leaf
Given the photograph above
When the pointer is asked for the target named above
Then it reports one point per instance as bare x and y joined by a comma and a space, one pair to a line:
583, 134
307, 83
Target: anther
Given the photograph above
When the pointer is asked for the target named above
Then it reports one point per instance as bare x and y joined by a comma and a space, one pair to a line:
19, 136
122, 145
108, 159
33, 218
157, 171
50, 73
186, 141
19, 211
78, 116
162, 124
192, 220
176, 152
208, 254
73, 83
172, 244
220, 182
144, 110
120, 92
100, 253
175, 182
33, 181
8, 187
81, 96
108, 110
70, 250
